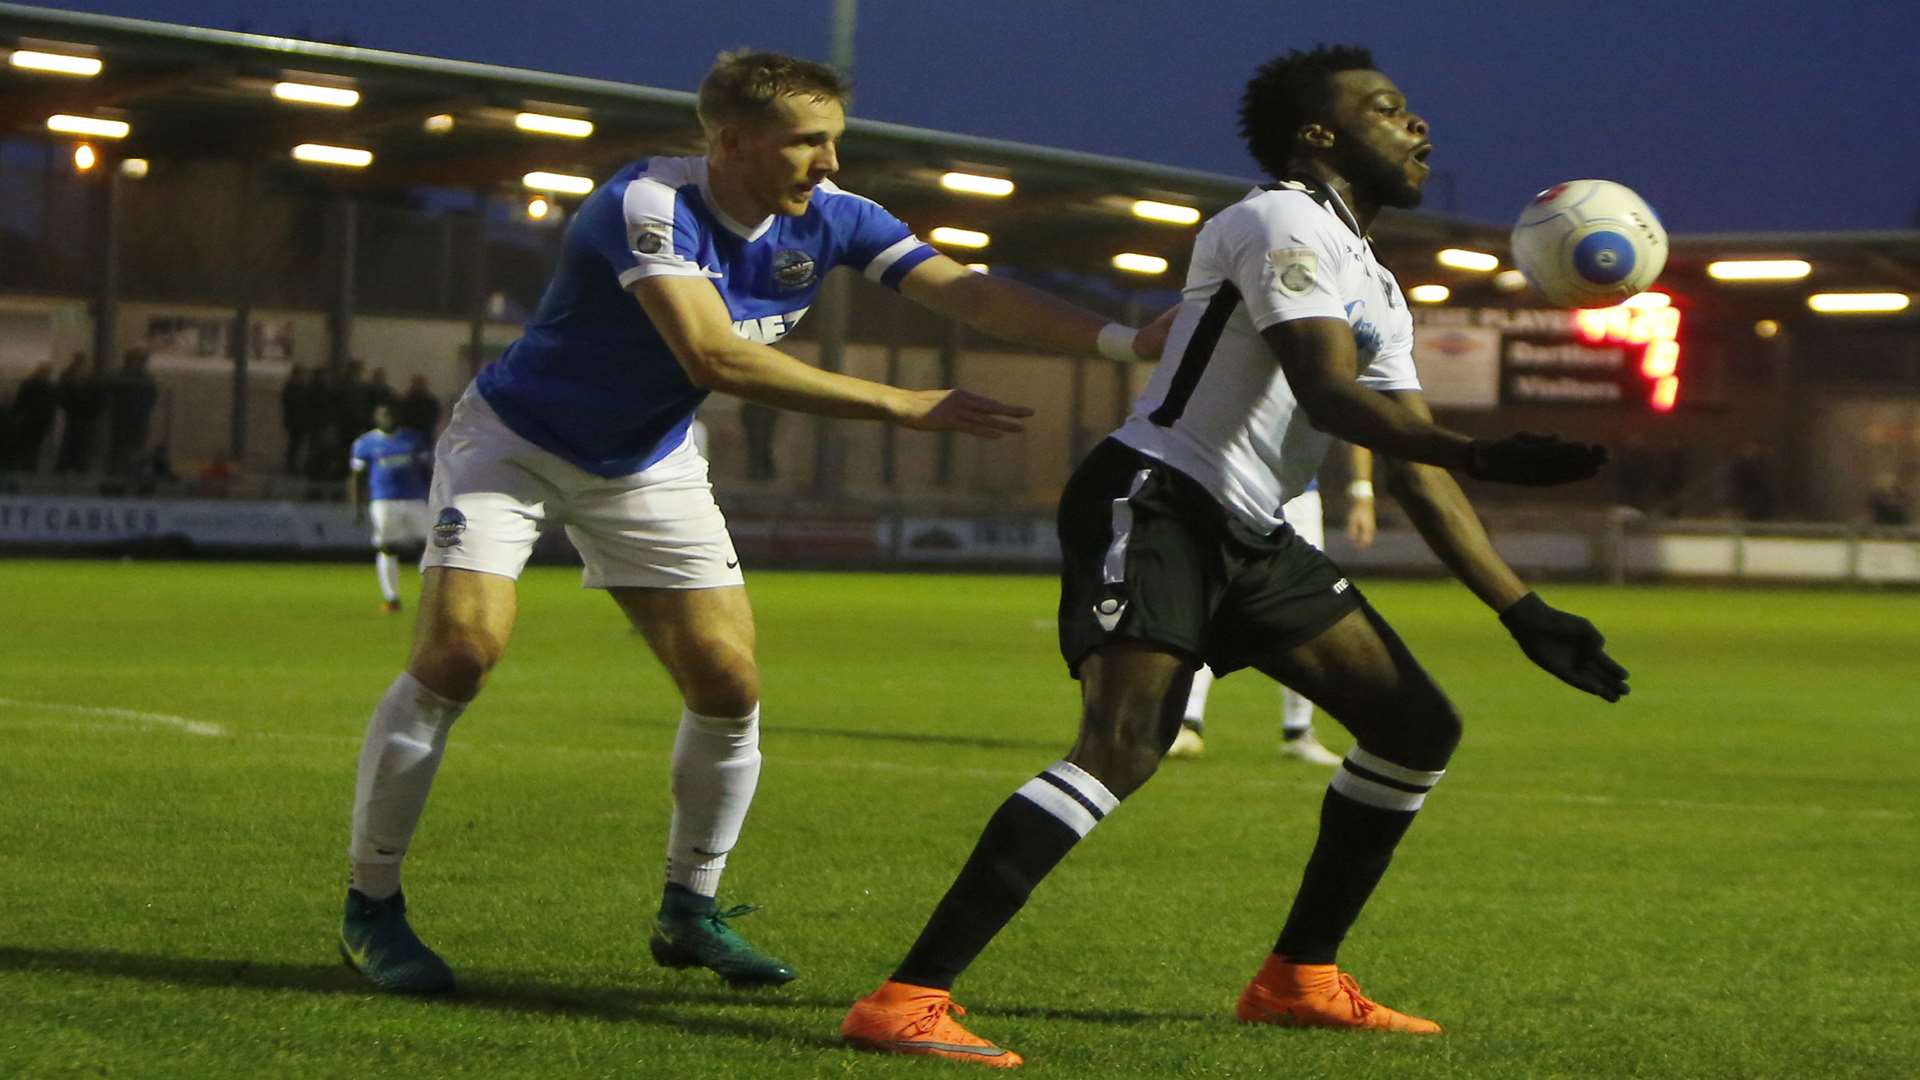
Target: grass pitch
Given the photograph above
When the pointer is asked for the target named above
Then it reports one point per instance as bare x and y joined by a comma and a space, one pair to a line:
1715, 878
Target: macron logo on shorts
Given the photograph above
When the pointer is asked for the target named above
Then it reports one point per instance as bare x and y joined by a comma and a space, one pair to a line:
1341, 586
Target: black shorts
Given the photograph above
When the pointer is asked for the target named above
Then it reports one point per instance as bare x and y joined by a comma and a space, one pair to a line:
1149, 555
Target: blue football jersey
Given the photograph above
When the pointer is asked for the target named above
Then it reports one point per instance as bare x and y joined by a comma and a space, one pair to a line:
398, 463
592, 381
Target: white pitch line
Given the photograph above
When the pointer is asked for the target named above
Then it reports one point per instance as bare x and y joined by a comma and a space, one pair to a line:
195, 727
191, 727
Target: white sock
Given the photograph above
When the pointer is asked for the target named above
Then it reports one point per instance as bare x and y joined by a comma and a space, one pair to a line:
405, 741
716, 765
387, 568
1196, 715
1296, 714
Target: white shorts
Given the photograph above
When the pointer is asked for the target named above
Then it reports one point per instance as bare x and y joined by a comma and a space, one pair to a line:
1304, 514
493, 492
398, 521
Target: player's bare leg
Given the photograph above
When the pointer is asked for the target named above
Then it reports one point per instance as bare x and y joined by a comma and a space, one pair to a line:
1132, 697
465, 620
705, 639
1405, 730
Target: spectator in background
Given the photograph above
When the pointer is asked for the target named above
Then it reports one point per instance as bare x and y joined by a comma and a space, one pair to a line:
297, 414
419, 409
215, 478
379, 392
326, 439
82, 397
1750, 482
1887, 501
353, 402
759, 421
131, 396
34, 405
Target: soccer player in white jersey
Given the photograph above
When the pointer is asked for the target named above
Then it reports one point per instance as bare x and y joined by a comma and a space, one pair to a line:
1305, 514
1289, 334
674, 278
396, 463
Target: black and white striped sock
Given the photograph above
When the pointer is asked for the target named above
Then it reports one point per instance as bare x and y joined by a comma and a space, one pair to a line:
1023, 841
1369, 805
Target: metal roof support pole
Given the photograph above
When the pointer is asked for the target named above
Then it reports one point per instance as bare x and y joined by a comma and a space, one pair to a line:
239, 341
833, 307
346, 212
477, 266
108, 200
949, 377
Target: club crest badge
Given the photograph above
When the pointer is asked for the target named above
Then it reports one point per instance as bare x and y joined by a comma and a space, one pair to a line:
793, 269
447, 530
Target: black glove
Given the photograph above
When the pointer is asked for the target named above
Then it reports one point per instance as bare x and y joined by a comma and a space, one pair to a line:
1566, 645
1536, 460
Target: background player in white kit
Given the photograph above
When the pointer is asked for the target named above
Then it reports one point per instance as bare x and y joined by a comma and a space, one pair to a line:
1289, 334
674, 277
396, 464
1306, 514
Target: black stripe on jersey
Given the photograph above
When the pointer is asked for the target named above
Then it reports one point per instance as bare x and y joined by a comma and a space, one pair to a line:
1385, 781
1074, 794
1199, 353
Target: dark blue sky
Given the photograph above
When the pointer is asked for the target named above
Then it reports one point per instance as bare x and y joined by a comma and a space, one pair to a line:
1751, 115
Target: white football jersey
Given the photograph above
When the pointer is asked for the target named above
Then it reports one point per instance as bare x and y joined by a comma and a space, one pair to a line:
1218, 407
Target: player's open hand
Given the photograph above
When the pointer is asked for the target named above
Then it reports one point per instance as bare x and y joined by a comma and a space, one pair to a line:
1537, 460
963, 411
1566, 645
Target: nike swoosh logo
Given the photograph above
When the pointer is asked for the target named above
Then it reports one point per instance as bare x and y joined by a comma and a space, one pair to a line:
710, 854
734, 563
952, 1048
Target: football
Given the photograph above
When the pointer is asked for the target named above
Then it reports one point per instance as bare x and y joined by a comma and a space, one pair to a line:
1589, 243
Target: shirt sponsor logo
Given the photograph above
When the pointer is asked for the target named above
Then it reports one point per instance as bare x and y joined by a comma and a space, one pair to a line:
793, 269
768, 329
1294, 269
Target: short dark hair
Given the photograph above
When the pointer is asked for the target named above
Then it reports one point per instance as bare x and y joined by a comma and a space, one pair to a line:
745, 83
1290, 92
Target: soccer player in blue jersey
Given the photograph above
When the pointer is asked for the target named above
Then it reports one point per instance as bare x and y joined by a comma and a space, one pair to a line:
674, 278
396, 463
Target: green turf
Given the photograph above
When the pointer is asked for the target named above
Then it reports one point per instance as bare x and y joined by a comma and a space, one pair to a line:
1715, 878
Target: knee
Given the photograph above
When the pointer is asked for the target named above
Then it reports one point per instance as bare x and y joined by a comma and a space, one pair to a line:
1429, 737
1122, 752
455, 664
721, 681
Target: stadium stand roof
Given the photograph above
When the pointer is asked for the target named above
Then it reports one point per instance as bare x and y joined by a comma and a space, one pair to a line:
197, 93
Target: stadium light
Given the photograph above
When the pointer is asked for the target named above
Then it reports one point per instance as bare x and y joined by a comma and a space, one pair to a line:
1461, 259
1766, 328
55, 63
88, 125
558, 183
543, 124
438, 124
1863, 303
960, 238
978, 268
538, 208
1759, 269
334, 97
322, 154
1171, 213
135, 168
1134, 262
1509, 281
1429, 294
84, 159
994, 187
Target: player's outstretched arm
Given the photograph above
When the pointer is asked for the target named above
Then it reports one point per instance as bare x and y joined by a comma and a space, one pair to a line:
1322, 366
1019, 313
1565, 645
693, 320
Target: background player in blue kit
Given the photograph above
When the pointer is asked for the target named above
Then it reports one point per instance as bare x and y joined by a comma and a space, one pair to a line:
396, 463
674, 277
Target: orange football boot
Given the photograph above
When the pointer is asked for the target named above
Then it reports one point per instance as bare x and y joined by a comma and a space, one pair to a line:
900, 1018
1318, 995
